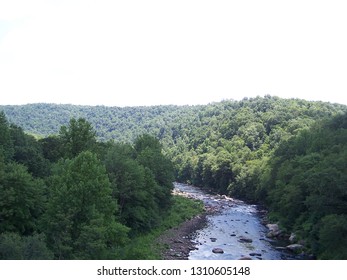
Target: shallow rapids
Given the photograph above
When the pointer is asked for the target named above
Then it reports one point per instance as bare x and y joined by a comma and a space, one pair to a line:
233, 230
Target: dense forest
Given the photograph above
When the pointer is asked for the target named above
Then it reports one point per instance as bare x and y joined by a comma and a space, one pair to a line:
289, 155
69, 196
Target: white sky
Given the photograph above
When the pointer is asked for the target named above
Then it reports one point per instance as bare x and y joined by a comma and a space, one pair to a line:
147, 52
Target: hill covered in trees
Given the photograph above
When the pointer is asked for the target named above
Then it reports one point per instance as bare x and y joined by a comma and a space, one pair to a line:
287, 154
69, 196
120, 124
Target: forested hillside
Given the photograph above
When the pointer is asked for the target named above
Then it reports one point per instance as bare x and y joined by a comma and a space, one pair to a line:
69, 196
287, 154
305, 185
120, 124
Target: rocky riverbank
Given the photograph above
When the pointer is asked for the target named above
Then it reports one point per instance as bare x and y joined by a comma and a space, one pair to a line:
177, 242
228, 229
289, 242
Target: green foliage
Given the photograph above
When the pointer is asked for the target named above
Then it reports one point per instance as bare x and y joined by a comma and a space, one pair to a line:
333, 237
11, 247
306, 185
182, 210
16, 247
83, 214
52, 148
141, 178
145, 246
247, 182
80, 209
6, 144
150, 156
28, 151
288, 154
21, 200
79, 136
133, 187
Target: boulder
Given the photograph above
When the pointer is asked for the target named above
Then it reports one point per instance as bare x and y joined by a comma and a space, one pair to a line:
292, 238
255, 254
245, 258
273, 227
296, 248
281, 248
213, 239
245, 240
218, 251
273, 234
274, 231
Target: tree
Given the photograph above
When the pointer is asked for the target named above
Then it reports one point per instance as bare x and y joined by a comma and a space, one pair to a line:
305, 186
149, 155
333, 237
80, 221
21, 200
6, 144
52, 148
16, 247
134, 188
77, 137
28, 151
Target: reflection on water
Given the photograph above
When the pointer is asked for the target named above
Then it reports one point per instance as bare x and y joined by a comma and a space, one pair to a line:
234, 227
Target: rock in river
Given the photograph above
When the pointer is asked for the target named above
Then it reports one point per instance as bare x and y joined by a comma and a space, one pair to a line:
274, 231
255, 254
245, 258
217, 251
295, 248
245, 240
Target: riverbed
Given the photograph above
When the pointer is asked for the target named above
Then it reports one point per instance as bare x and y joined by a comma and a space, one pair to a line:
233, 229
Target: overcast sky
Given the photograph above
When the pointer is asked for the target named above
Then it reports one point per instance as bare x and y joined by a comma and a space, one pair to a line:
146, 52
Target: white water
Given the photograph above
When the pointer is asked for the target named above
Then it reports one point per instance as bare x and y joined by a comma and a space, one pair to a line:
232, 221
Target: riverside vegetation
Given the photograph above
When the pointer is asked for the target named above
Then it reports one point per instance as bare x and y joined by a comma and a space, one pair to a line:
82, 182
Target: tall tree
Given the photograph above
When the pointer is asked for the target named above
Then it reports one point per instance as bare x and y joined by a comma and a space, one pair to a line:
21, 200
52, 148
77, 137
149, 155
6, 144
134, 188
80, 221
28, 151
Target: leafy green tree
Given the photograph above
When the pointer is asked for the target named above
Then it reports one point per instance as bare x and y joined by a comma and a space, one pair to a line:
305, 186
21, 200
16, 247
253, 134
11, 247
77, 137
52, 148
333, 237
247, 180
149, 155
28, 151
134, 188
35, 247
6, 144
80, 221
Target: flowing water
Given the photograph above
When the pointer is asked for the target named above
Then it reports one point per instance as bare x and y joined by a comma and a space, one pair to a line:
234, 227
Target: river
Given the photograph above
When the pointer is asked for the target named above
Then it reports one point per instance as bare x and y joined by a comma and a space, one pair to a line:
234, 228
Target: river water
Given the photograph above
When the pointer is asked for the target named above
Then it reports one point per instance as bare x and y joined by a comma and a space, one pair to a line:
234, 227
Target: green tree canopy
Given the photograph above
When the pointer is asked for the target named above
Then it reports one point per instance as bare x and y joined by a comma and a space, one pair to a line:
134, 188
21, 199
78, 136
6, 144
80, 221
